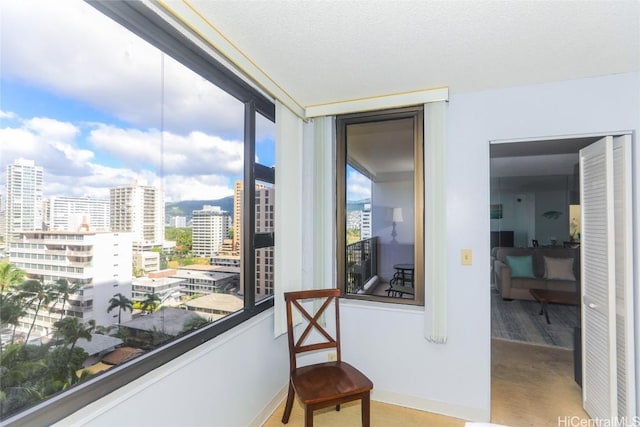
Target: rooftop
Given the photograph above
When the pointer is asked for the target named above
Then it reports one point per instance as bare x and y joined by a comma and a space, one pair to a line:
223, 302
98, 344
167, 320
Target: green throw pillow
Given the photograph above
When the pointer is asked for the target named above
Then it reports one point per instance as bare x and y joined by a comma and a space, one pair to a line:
521, 266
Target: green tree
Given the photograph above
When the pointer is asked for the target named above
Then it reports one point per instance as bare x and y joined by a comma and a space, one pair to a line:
12, 308
193, 323
72, 330
150, 302
183, 238
120, 302
38, 294
21, 376
64, 289
10, 276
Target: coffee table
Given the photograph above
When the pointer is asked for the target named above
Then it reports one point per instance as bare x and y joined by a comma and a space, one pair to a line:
545, 296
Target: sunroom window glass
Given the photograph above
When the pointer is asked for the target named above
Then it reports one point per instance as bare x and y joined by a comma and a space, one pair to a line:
135, 159
264, 207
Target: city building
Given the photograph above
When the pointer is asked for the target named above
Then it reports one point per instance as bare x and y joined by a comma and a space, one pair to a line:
99, 263
167, 322
178, 221
23, 205
139, 209
206, 279
77, 214
265, 202
227, 257
365, 222
145, 262
168, 289
215, 306
210, 227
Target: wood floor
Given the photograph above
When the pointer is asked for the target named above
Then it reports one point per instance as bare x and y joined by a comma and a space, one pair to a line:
530, 386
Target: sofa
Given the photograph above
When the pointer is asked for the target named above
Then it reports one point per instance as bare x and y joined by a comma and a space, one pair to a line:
517, 270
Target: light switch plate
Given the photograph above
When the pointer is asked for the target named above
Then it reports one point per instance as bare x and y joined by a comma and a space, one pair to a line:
466, 257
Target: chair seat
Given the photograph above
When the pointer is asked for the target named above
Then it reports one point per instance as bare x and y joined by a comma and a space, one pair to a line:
328, 381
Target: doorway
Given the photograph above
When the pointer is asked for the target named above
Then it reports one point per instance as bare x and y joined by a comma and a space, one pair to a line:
533, 185
596, 196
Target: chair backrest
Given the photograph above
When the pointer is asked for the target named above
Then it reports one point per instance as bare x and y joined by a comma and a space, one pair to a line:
293, 299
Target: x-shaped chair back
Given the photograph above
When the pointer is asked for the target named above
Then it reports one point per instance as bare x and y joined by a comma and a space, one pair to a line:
294, 299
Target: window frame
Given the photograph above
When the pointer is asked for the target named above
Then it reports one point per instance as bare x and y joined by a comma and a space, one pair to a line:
342, 121
139, 19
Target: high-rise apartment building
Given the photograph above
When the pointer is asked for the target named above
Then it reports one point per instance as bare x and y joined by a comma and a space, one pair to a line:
77, 214
23, 211
139, 209
265, 202
365, 222
210, 226
100, 263
178, 221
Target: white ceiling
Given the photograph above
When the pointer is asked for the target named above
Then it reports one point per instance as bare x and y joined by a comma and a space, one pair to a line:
381, 148
328, 51
321, 52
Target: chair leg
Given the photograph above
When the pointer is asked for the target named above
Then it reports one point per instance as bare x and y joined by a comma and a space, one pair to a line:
337, 407
289, 405
366, 411
308, 416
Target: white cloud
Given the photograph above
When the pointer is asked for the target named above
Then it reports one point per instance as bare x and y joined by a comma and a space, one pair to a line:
209, 187
7, 115
192, 154
75, 51
358, 186
194, 166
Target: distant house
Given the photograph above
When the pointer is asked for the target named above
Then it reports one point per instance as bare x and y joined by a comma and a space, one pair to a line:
166, 321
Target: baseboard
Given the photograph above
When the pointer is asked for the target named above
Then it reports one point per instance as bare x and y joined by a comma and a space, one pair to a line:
442, 408
270, 408
436, 407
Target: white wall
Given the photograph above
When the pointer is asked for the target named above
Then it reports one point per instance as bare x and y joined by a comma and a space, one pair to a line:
455, 377
386, 196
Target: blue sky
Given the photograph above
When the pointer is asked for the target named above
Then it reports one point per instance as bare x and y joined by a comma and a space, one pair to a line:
85, 100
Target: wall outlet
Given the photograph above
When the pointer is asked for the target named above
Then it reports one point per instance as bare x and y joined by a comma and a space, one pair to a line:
332, 356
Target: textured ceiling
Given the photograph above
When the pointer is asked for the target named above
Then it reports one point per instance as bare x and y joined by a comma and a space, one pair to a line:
328, 51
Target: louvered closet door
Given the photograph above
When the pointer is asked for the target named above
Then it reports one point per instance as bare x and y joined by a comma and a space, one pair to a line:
598, 276
607, 294
625, 364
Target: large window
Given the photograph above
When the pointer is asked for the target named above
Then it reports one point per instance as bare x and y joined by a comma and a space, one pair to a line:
146, 227
380, 205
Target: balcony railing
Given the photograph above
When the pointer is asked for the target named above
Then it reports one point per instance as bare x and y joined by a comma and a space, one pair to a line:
362, 263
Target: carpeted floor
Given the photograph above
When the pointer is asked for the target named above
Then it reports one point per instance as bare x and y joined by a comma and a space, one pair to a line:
519, 320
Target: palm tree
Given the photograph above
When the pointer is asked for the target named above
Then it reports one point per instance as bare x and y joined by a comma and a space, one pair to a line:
10, 276
65, 289
151, 302
72, 330
120, 302
38, 293
12, 308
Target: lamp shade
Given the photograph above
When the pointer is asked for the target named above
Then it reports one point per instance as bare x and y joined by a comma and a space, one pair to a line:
397, 214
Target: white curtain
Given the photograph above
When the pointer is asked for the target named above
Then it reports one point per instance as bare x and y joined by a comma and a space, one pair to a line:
322, 219
305, 207
435, 222
288, 211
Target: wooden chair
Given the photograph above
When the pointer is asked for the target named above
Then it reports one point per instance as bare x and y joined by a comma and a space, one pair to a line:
323, 384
